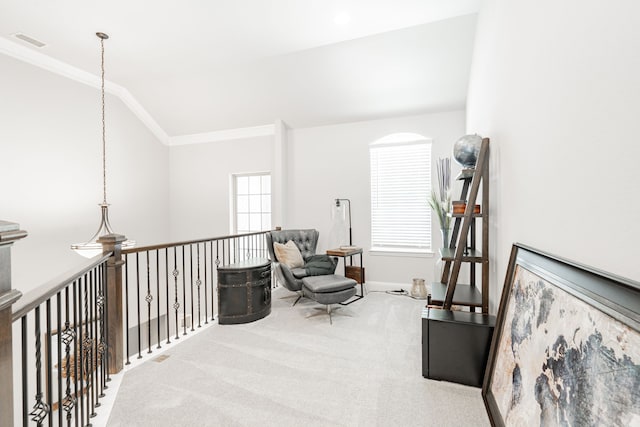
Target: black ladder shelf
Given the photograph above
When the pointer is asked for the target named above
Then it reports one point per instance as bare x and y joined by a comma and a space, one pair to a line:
463, 245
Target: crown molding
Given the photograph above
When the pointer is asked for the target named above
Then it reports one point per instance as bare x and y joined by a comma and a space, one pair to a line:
222, 135
142, 114
30, 56
53, 65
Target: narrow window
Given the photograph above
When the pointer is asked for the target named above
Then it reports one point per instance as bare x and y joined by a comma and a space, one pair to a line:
251, 203
400, 187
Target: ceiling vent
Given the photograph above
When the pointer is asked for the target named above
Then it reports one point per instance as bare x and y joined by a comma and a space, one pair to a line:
30, 40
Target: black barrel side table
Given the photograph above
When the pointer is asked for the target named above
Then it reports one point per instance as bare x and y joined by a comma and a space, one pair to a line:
244, 291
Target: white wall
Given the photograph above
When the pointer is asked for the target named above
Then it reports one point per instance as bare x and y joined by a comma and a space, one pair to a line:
200, 182
330, 162
323, 163
51, 173
555, 86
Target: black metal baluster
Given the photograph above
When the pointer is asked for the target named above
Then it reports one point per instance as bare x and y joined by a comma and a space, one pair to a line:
91, 321
149, 300
40, 409
191, 284
126, 305
184, 295
95, 354
198, 284
158, 295
25, 379
223, 254
49, 362
235, 243
105, 323
206, 316
166, 269
59, 361
176, 304
138, 327
68, 336
217, 266
263, 245
211, 263
84, 345
87, 345
77, 354
101, 347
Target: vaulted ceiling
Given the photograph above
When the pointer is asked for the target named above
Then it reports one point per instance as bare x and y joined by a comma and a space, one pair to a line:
203, 65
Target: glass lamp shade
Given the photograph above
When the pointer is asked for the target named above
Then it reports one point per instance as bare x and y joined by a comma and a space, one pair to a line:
92, 247
339, 234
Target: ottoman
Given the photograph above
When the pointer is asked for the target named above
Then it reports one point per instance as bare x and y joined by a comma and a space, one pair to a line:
328, 289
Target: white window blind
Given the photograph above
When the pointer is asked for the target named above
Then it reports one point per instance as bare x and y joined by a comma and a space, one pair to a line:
400, 187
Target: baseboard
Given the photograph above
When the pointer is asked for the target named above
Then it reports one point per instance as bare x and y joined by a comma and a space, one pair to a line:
387, 286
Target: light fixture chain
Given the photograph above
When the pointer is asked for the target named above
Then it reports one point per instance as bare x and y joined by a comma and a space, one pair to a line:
104, 144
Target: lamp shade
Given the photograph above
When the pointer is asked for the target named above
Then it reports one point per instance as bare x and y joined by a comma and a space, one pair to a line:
92, 247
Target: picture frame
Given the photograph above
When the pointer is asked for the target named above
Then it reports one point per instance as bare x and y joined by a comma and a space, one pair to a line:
566, 346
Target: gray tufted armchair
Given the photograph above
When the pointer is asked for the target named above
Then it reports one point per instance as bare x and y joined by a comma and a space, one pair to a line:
306, 241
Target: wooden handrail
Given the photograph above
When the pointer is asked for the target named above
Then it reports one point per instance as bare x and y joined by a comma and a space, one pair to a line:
50, 288
187, 242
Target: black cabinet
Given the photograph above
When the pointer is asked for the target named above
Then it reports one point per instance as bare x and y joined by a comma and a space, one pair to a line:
244, 291
455, 345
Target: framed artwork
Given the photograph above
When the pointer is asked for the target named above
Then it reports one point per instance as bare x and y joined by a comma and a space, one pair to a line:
566, 346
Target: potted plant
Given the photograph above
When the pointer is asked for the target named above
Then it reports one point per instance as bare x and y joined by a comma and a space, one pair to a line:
440, 201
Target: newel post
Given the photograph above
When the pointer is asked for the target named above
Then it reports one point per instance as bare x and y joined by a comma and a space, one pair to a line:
115, 332
9, 233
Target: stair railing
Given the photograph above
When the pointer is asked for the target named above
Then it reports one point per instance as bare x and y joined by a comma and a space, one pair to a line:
170, 289
65, 338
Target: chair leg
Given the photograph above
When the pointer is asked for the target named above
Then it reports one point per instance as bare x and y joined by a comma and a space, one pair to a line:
297, 299
329, 312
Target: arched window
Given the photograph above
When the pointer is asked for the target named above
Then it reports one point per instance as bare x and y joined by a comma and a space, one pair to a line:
400, 187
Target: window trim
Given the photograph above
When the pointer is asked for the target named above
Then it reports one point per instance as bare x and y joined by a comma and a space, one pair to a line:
233, 225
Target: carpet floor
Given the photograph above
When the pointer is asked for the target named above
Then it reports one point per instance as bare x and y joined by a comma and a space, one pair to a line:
293, 368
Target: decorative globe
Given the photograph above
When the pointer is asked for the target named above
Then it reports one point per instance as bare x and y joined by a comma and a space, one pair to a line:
466, 149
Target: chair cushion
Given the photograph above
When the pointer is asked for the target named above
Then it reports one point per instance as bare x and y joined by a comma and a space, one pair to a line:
329, 297
288, 254
328, 283
299, 273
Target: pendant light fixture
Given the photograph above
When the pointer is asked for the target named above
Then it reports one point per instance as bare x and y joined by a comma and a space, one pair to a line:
92, 248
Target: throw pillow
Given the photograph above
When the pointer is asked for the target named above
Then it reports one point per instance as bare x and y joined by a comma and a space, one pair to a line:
288, 254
